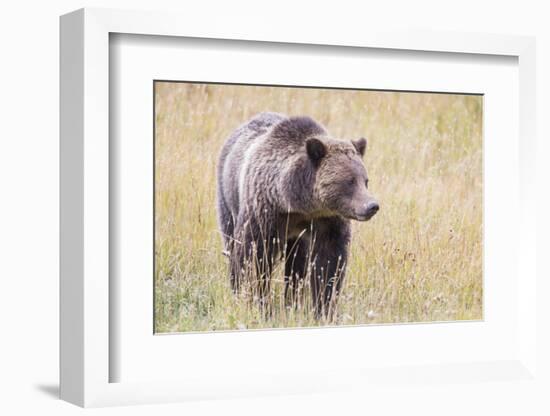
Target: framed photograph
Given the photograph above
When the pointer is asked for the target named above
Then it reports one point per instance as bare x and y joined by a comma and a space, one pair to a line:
320, 214
288, 204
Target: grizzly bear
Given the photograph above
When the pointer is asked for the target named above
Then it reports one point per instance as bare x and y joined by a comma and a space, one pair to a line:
288, 190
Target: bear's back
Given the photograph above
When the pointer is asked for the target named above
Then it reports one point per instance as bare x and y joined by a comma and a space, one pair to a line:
234, 152
267, 143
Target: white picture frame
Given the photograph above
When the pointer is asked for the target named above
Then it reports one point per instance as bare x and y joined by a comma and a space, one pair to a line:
85, 165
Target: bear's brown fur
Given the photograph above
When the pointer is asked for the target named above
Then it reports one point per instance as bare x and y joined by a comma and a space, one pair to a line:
288, 189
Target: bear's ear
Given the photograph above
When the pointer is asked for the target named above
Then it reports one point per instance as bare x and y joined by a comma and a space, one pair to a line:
360, 145
316, 149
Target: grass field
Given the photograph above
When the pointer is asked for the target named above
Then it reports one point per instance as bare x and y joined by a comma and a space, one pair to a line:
419, 259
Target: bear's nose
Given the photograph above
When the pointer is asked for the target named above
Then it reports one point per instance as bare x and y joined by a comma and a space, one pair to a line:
371, 209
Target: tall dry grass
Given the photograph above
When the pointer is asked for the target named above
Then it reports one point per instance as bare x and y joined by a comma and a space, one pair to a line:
419, 259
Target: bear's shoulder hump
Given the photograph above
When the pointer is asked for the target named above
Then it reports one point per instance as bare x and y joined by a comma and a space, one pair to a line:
298, 128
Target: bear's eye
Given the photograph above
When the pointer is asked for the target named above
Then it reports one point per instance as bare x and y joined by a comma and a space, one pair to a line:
366, 183
351, 181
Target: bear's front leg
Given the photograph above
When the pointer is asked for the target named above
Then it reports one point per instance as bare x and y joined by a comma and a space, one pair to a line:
331, 237
296, 266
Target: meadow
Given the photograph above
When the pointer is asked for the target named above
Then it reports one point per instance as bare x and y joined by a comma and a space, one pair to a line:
418, 260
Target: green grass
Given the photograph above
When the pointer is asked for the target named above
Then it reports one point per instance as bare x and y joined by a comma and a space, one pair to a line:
419, 259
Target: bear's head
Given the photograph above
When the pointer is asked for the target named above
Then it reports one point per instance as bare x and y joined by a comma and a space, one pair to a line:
341, 182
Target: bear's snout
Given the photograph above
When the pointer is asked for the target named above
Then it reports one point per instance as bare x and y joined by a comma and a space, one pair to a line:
368, 211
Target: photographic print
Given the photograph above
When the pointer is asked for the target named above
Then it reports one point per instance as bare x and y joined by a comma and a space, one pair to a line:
293, 207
